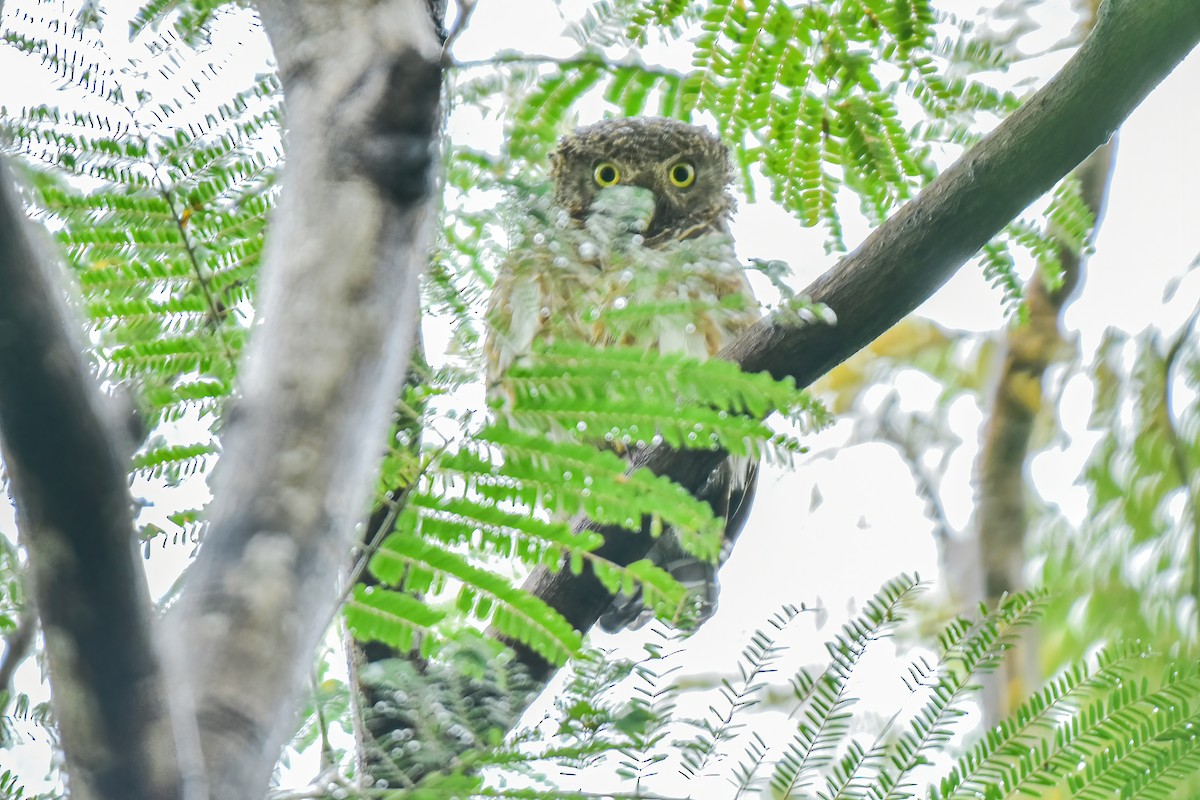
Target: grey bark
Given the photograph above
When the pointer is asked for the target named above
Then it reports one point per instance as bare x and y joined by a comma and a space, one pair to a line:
339, 309
339, 313
67, 454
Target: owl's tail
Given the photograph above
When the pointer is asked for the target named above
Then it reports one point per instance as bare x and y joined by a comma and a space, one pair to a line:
730, 492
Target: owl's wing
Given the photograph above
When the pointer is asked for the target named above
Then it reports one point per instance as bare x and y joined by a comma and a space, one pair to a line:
713, 323
540, 293
550, 290
730, 491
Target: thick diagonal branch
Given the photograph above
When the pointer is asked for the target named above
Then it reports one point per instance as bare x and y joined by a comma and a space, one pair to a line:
1134, 45
68, 460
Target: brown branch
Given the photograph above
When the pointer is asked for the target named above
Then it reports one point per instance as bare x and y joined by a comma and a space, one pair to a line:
1029, 350
1001, 521
1134, 45
68, 458
339, 305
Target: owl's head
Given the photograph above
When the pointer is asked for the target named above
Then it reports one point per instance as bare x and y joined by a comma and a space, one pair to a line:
686, 167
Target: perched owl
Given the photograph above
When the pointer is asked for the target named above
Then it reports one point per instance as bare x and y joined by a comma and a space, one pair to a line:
641, 217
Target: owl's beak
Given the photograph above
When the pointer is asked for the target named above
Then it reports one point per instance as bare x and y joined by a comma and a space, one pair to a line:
628, 209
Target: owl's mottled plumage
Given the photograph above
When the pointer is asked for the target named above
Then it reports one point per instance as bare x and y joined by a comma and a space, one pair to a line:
643, 207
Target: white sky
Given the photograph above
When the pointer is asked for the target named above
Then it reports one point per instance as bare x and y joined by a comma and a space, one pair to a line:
870, 525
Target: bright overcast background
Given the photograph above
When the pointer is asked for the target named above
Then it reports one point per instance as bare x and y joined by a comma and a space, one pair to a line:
828, 532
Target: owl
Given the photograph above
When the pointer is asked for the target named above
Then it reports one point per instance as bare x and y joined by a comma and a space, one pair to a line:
640, 216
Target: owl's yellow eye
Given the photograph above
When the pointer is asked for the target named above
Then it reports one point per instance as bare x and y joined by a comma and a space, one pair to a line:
606, 174
682, 174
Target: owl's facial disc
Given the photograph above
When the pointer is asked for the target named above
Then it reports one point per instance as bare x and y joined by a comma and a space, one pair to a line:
665, 185
685, 167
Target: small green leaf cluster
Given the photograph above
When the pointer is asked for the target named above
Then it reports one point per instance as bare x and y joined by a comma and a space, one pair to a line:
10, 789
158, 190
442, 717
1114, 726
797, 89
190, 19
1133, 561
655, 397
1067, 234
22, 719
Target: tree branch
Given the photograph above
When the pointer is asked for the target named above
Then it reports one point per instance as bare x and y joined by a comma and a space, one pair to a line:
1001, 521
1029, 350
339, 306
69, 464
16, 647
1134, 45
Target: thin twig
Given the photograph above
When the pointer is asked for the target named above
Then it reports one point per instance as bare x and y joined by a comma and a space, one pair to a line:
16, 648
395, 502
526, 59
327, 760
465, 9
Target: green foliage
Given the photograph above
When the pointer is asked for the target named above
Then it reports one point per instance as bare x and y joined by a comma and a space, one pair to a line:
1139, 542
757, 661
822, 698
158, 195
328, 707
645, 722
159, 198
421, 567
189, 18
504, 493
797, 89
443, 717
1081, 730
1069, 231
10, 789
1113, 726
21, 720
12, 590
685, 402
